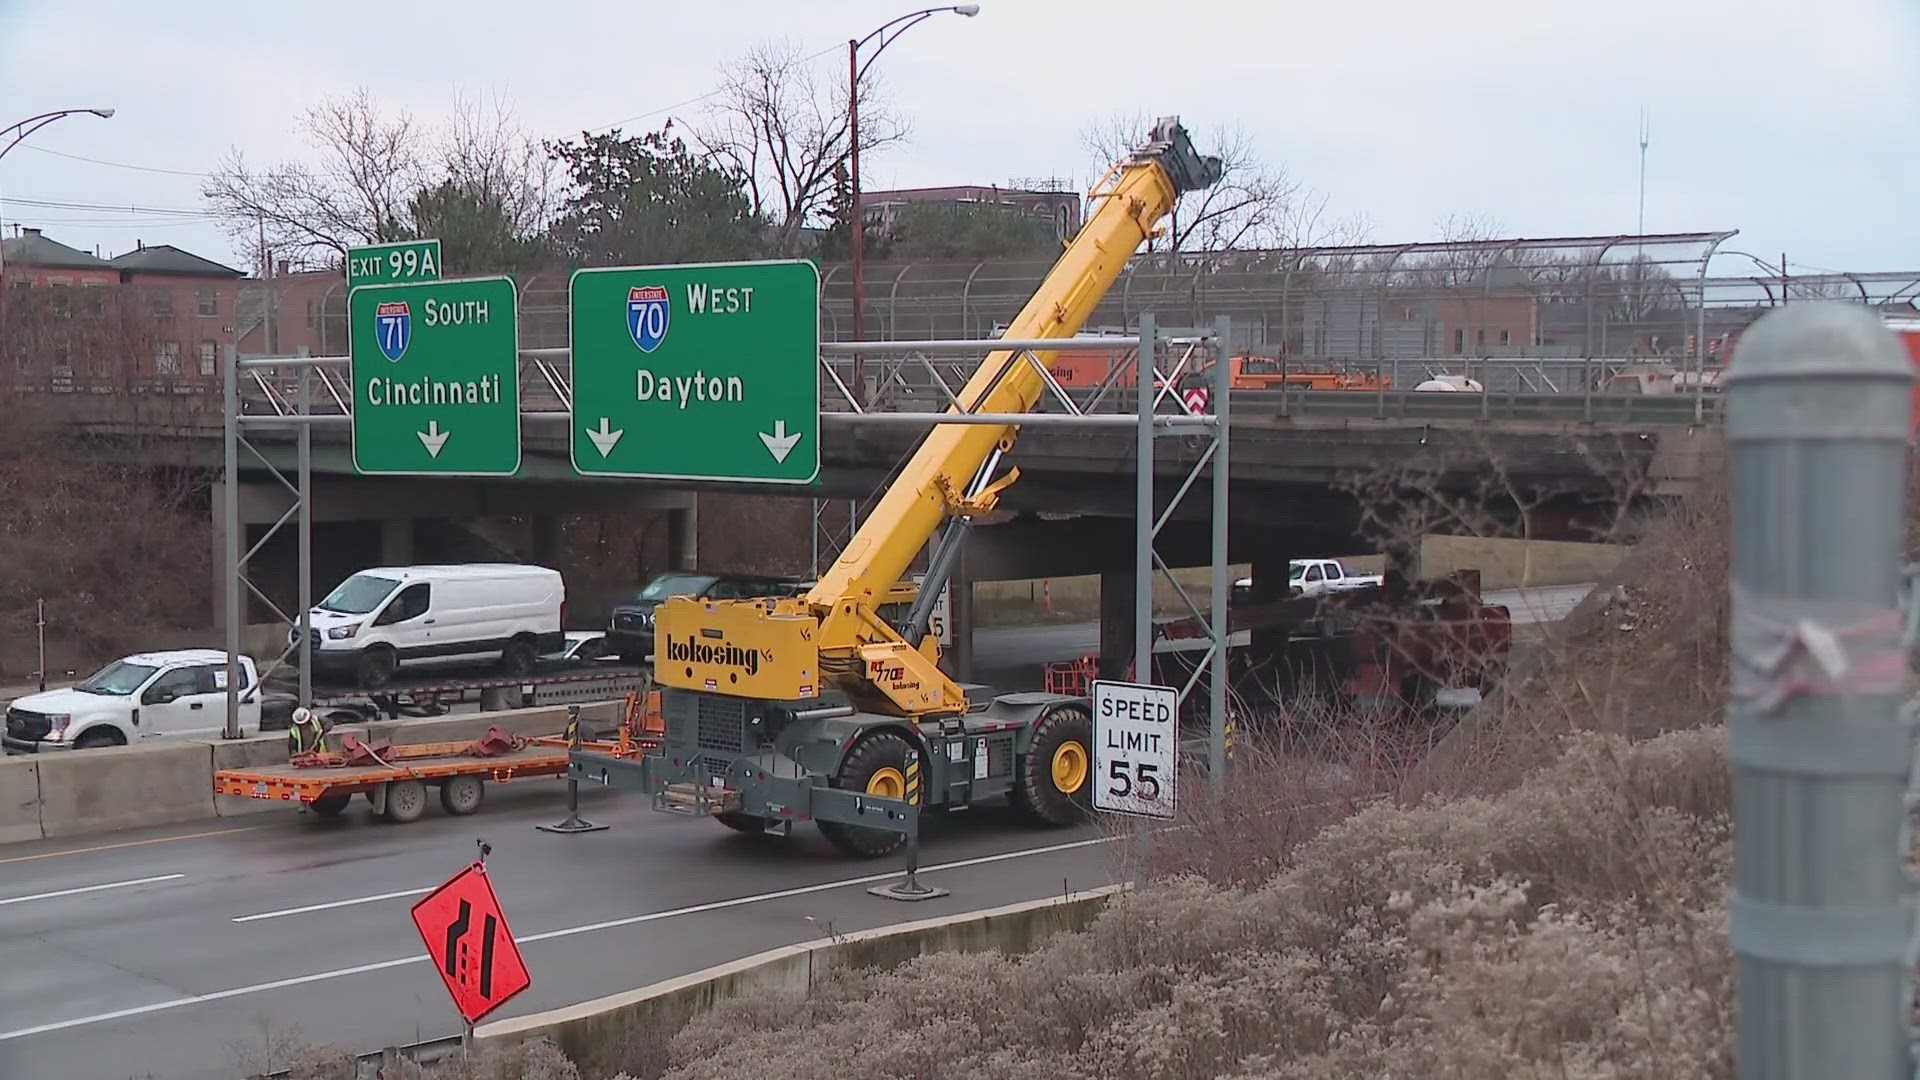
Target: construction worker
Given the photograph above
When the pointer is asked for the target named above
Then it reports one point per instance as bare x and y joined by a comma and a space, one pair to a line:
304, 733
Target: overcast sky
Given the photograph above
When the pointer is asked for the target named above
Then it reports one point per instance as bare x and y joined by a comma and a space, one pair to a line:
1796, 122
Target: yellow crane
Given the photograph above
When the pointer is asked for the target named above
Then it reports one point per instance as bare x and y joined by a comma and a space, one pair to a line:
816, 707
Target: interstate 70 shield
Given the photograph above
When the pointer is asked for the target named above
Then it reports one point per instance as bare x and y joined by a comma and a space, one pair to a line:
648, 311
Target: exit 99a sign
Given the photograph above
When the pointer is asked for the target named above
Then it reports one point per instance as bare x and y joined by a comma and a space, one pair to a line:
1136, 748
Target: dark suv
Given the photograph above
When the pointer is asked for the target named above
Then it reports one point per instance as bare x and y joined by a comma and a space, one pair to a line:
630, 630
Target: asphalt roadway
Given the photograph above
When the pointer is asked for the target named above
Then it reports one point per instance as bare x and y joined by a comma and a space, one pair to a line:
176, 953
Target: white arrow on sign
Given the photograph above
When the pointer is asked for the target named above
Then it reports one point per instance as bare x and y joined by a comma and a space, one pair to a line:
603, 439
433, 438
780, 444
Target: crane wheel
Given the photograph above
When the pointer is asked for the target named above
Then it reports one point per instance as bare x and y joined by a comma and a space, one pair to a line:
877, 766
1055, 782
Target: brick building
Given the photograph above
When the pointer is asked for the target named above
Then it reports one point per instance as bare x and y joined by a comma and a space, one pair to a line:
157, 311
190, 304
1059, 207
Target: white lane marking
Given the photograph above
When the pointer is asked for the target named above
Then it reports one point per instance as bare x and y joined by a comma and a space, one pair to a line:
652, 916
91, 888
334, 904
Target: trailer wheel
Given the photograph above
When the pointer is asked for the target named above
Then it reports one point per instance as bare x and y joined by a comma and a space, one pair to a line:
331, 805
461, 795
746, 823
876, 765
1054, 783
376, 666
406, 801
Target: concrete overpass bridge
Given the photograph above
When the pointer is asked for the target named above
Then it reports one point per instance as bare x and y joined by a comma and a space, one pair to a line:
1306, 467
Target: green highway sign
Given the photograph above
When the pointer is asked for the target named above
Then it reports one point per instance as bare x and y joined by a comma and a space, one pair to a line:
697, 371
436, 378
382, 264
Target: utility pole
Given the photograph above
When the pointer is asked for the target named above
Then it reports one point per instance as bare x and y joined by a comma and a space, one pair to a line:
1640, 229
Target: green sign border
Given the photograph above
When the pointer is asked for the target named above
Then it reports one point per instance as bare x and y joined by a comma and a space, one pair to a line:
353, 387
573, 445
438, 261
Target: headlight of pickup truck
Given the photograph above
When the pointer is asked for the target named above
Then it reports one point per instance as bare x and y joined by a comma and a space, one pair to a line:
341, 633
60, 722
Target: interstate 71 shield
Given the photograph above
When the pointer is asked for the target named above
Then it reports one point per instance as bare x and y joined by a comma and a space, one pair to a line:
648, 311
393, 328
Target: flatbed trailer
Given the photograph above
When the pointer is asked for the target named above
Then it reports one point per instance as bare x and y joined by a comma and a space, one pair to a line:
343, 703
396, 781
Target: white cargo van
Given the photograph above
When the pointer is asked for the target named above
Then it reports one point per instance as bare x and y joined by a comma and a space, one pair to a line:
392, 618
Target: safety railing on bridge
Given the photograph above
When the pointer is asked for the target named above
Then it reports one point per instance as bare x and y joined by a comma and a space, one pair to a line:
1543, 389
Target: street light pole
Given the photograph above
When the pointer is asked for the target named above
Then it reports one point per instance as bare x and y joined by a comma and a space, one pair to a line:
855, 71
20, 129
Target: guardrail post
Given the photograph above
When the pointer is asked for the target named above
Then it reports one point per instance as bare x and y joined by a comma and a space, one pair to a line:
574, 823
1818, 405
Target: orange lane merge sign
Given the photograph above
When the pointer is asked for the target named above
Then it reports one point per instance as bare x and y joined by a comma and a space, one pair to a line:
467, 938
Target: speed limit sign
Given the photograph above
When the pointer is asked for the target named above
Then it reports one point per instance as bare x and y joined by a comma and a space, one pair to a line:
1136, 740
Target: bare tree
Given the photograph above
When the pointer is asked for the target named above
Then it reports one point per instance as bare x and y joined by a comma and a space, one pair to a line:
1248, 208
490, 157
784, 131
368, 165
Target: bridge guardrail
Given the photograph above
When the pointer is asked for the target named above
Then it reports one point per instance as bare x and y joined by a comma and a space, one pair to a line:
1258, 405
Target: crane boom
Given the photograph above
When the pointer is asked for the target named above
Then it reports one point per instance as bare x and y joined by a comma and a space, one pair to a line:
792, 649
816, 707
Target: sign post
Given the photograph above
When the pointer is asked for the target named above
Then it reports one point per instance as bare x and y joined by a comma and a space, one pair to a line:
697, 371
386, 264
436, 378
467, 938
1136, 755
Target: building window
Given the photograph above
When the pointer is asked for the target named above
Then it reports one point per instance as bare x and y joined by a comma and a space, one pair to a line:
207, 353
63, 361
208, 303
166, 358
60, 299
1459, 341
1506, 337
163, 302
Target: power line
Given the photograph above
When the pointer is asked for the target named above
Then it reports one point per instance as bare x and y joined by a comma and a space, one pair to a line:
114, 164
697, 100
107, 208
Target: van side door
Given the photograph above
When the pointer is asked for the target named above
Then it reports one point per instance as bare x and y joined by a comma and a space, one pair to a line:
408, 622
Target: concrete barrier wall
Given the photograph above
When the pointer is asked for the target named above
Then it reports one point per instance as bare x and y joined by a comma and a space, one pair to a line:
19, 800
168, 780
580, 1030
92, 791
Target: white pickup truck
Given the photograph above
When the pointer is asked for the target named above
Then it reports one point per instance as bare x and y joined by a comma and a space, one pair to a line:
159, 693
1312, 577
1317, 577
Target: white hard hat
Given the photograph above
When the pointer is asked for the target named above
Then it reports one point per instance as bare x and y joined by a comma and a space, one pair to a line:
303, 715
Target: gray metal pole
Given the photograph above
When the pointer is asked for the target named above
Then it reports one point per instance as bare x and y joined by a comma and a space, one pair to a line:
1146, 362
1818, 405
1143, 509
230, 531
1217, 690
305, 529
